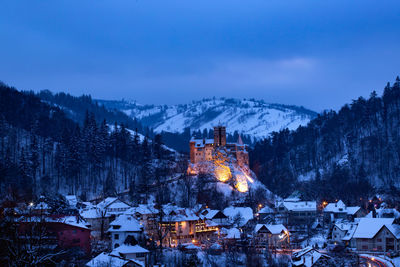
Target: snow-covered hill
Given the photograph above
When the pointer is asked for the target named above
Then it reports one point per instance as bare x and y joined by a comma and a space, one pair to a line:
249, 117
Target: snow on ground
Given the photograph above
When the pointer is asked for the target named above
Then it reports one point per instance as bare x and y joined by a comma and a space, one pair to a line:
225, 189
306, 177
250, 117
141, 136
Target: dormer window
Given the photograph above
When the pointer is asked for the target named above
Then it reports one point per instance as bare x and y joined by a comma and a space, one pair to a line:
116, 226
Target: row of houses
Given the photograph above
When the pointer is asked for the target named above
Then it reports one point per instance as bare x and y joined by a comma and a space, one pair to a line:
201, 227
368, 234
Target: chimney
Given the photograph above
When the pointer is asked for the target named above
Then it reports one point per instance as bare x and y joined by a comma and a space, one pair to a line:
374, 213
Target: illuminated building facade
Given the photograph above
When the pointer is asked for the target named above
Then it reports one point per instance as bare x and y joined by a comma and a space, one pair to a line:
203, 149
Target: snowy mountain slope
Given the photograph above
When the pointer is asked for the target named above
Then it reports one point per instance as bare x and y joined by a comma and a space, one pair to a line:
249, 117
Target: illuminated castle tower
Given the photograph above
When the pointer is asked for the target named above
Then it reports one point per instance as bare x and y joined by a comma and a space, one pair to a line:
219, 136
203, 149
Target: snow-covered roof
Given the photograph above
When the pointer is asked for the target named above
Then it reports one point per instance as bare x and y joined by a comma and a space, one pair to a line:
210, 214
350, 232
292, 199
232, 233
92, 213
210, 223
105, 259
72, 220
300, 205
395, 229
69, 220
128, 249
369, 227
274, 229
103, 204
245, 212
266, 209
118, 205
338, 207
309, 257
177, 214
343, 226
201, 142
353, 210
126, 223
145, 209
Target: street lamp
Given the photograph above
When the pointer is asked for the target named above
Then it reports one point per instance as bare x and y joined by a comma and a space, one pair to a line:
288, 236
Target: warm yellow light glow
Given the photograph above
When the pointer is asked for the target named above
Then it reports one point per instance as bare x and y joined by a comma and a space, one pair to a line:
223, 173
241, 183
248, 178
242, 187
222, 170
259, 205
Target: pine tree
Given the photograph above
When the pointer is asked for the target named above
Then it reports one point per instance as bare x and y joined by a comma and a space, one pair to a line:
34, 160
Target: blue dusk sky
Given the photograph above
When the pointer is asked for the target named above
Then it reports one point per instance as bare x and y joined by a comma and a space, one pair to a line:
319, 54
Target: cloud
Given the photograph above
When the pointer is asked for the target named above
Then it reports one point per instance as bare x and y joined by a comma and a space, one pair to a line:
237, 74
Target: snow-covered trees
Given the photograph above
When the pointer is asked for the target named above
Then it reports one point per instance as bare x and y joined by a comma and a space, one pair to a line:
352, 148
42, 150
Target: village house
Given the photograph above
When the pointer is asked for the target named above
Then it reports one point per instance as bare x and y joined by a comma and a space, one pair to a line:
146, 214
271, 236
179, 225
113, 206
98, 219
216, 216
309, 257
377, 235
339, 211
135, 252
65, 231
106, 259
294, 212
122, 227
230, 237
266, 214
343, 232
209, 224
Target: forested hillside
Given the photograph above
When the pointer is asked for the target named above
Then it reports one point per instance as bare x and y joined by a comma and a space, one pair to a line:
76, 108
252, 119
340, 154
44, 151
